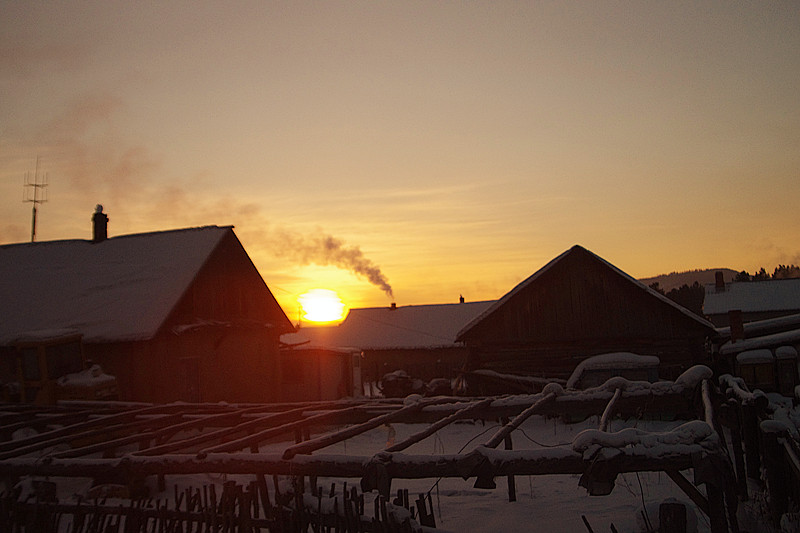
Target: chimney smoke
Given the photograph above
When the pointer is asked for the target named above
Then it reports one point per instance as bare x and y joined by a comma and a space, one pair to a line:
328, 250
99, 224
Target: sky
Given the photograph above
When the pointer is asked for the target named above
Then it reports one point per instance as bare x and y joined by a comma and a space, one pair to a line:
411, 152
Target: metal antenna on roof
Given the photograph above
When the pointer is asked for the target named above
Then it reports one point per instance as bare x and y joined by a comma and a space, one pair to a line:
35, 191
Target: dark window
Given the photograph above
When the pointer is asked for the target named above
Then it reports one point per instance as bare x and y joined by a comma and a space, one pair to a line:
30, 364
63, 359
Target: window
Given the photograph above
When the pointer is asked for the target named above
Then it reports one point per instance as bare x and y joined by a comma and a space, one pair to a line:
30, 364
63, 359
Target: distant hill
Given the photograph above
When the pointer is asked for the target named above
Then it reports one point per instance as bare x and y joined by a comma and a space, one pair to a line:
678, 279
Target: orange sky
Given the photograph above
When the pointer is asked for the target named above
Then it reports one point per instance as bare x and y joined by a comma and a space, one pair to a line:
443, 148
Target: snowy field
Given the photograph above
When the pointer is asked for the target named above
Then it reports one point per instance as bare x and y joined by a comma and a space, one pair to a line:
544, 503
554, 503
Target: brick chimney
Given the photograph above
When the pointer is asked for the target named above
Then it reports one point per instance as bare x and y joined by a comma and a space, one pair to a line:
99, 225
719, 282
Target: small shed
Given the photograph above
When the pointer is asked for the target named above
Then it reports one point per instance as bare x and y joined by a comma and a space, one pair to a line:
576, 306
310, 372
418, 339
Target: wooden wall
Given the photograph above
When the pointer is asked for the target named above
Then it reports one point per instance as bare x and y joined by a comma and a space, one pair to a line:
578, 307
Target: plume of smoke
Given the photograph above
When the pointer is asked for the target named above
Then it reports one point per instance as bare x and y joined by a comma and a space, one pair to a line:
328, 250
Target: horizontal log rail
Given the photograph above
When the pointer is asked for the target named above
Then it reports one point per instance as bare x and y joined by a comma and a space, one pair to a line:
398, 466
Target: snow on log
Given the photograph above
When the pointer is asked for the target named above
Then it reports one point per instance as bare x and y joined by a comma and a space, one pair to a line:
696, 434
693, 376
739, 389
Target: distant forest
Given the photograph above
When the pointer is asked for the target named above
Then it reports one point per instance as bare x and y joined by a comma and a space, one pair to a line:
687, 288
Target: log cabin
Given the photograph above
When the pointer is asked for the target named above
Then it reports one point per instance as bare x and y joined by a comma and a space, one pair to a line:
174, 315
579, 305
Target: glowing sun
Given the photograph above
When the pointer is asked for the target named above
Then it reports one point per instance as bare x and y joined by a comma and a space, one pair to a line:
321, 305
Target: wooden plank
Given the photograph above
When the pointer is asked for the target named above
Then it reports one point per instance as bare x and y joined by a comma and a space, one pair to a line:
506, 430
689, 489
338, 436
436, 426
609, 410
402, 466
260, 436
213, 436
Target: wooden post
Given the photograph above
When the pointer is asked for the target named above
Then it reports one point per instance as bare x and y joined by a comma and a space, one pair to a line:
776, 469
730, 414
512, 485
716, 508
672, 518
751, 437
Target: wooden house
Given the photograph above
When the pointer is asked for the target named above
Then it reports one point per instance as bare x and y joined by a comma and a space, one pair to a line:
418, 339
576, 306
174, 315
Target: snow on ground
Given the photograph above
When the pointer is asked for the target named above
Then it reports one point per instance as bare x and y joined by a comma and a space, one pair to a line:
552, 503
544, 503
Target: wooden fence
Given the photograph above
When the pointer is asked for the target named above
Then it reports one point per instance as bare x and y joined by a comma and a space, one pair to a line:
237, 508
94, 440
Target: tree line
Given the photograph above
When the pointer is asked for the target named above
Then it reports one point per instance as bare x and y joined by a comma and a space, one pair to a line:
781, 272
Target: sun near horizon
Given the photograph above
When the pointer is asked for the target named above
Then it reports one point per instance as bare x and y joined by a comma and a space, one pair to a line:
321, 306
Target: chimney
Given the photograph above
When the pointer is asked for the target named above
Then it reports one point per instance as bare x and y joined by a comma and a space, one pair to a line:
393, 307
461, 299
99, 225
719, 282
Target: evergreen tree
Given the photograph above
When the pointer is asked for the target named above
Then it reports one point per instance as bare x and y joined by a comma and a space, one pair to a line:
786, 272
761, 275
690, 297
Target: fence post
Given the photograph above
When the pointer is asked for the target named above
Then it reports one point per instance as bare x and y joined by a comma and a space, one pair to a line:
512, 485
751, 439
729, 413
776, 469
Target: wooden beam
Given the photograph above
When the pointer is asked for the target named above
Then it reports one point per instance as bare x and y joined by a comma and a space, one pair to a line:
461, 414
401, 466
338, 436
506, 430
689, 489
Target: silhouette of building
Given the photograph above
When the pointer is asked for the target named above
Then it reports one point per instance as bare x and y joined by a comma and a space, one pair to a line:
174, 315
576, 306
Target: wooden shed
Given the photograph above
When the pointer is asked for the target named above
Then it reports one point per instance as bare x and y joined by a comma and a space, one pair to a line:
174, 315
576, 306
417, 339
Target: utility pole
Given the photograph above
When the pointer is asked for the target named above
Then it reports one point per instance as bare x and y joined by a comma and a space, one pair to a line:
35, 191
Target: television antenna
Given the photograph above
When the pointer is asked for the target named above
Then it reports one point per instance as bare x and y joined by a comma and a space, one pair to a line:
35, 192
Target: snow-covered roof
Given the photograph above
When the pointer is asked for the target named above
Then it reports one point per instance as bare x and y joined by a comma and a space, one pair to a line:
615, 360
525, 283
120, 289
411, 326
755, 356
753, 296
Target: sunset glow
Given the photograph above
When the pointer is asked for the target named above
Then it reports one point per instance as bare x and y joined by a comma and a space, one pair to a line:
411, 151
321, 305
